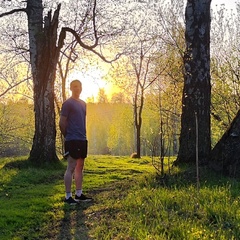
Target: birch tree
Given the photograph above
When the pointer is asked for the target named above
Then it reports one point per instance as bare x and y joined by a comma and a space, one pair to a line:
197, 89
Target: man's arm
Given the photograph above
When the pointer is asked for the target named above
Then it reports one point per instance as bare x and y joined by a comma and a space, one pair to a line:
63, 125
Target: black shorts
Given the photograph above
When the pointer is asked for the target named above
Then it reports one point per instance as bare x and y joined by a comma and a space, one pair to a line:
76, 148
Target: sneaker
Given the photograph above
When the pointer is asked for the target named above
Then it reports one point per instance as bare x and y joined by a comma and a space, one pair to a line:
83, 198
70, 201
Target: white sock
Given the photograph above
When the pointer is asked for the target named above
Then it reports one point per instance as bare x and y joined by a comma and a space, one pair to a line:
79, 192
68, 195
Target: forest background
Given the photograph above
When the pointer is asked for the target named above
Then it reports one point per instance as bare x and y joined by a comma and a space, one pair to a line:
110, 118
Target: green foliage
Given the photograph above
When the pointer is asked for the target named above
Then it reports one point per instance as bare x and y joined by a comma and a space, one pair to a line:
109, 128
224, 69
16, 128
130, 202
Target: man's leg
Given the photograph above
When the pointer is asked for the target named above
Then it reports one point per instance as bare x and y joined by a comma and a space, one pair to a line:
79, 182
68, 175
78, 174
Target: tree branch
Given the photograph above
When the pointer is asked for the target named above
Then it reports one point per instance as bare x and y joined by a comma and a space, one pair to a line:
83, 45
94, 23
78, 38
13, 86
13, 11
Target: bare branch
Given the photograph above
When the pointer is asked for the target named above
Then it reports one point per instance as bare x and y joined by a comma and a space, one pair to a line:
78, 38
13, 86
13, 11
85, 46
94, 22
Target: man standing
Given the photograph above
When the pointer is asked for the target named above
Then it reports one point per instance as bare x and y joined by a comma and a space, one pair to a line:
73, 127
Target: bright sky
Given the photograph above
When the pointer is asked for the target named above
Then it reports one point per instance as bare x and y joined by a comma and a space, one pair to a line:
230, 4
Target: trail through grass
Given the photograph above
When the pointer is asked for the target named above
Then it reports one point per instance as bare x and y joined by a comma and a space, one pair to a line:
130, 202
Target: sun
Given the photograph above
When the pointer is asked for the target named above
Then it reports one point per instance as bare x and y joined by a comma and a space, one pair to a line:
92, 81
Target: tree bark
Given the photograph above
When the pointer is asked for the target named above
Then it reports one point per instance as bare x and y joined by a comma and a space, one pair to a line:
137, 123
43, 56
225, 156
197, 90
138, 104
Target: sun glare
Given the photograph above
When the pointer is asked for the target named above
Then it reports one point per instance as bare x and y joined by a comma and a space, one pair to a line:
92, 81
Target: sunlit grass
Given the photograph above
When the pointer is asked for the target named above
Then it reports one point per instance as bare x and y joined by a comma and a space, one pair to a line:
130, 202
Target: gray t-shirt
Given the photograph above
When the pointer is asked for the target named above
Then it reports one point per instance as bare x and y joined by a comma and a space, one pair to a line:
75, 112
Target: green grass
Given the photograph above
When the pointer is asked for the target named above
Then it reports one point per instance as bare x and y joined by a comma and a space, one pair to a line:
130, 202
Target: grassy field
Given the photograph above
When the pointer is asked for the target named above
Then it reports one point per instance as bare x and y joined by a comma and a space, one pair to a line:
130, 202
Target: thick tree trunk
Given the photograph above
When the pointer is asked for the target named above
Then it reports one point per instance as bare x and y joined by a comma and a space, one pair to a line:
225, 156
44, 54
197, 89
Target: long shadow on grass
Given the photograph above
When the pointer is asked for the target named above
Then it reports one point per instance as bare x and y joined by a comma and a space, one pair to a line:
73, 224
76, 224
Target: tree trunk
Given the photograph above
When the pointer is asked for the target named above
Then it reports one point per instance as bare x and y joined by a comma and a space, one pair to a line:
43, 55
197, 89
225, 156
138, 108
137, 125
138, 135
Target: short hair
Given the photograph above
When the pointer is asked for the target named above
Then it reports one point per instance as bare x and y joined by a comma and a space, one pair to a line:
76, 80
